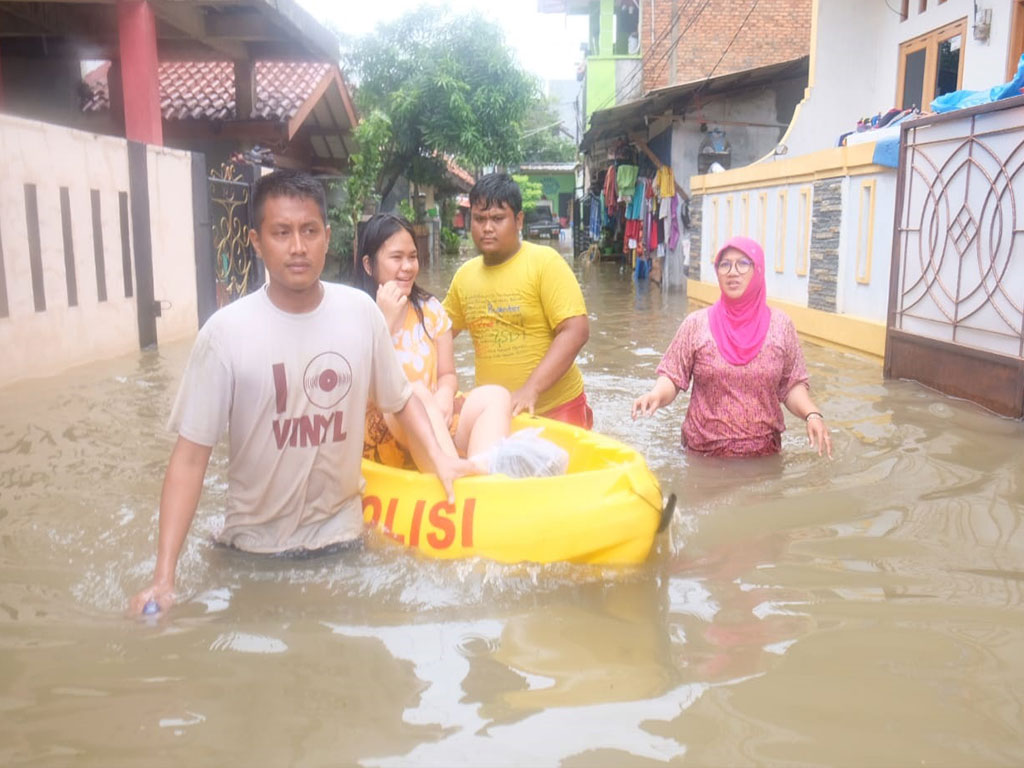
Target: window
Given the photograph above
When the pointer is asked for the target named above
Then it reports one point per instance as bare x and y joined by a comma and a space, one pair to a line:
1016, 39
931, 65
626, 29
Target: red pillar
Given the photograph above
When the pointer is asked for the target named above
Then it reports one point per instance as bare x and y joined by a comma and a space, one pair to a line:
136, 28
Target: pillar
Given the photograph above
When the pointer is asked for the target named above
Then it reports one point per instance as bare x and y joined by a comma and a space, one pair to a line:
245, 89
136, 28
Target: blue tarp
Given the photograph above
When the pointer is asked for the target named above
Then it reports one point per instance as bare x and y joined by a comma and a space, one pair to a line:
887, 152
964, 99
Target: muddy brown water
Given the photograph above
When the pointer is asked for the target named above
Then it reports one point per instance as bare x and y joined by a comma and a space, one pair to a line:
863, 611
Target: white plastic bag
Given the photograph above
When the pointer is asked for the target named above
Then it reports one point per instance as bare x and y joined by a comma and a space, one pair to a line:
526, 454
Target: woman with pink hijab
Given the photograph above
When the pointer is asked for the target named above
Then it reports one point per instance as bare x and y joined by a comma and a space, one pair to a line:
744, 359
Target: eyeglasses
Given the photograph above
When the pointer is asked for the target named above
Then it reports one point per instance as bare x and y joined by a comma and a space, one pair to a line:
742, 266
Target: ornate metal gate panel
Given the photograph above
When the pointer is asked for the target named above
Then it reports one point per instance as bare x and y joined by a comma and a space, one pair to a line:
956, 307
238, 271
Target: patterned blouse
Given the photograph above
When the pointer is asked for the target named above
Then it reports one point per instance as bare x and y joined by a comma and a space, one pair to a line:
417, 352
734, 409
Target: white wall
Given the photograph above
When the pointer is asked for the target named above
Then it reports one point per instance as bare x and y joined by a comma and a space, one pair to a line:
173, 234
870, 299
786, 268
855, 62
39, 343
748, 143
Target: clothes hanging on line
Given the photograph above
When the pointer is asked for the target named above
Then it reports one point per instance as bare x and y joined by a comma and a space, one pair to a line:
610, 189
665, 181
625, 178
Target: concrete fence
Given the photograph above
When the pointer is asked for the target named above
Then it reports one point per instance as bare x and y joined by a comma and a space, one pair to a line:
825, 222
97, 247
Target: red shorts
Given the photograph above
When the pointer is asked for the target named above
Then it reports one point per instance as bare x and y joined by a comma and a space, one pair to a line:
575, 412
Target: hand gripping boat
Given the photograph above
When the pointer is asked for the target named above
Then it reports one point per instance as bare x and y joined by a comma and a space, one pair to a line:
606, 509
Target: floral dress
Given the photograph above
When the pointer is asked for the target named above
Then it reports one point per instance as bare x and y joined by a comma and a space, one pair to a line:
416, 348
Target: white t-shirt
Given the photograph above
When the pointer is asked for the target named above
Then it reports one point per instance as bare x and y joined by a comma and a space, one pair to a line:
294, 389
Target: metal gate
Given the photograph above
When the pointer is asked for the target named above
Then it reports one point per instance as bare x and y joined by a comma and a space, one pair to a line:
956, 302
237, 269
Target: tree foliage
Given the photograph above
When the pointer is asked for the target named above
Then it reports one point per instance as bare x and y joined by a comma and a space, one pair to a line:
543, 137
448, 85
532, 191
373, 136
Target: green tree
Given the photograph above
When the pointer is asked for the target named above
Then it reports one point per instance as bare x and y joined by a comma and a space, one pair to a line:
447, 85
531, 190
543, 138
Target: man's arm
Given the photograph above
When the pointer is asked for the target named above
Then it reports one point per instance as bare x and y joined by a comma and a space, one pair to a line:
414, 420
183, 485
570, 336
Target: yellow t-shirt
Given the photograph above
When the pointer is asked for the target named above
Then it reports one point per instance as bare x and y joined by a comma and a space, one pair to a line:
665, 181
511, 311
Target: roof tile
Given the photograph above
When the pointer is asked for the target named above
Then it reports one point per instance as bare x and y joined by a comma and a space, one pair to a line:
205, 90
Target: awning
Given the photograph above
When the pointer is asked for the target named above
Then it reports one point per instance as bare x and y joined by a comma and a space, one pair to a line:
631, 117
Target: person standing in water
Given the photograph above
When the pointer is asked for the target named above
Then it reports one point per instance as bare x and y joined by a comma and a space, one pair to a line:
743, 359
288, 370
523, 307
466, 425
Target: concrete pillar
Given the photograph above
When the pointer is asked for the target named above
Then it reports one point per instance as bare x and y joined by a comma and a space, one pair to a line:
1, 80
136, 28
245, 89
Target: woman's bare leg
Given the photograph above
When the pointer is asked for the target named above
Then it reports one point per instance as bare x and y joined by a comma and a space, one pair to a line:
444, 439
484, 420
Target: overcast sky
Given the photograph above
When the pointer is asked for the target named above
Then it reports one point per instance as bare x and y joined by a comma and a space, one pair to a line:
547, 44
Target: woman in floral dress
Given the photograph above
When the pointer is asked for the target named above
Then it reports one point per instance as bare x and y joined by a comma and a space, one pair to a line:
465, 425
744, 360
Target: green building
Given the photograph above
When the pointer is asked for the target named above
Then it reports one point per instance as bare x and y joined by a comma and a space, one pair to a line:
558, 183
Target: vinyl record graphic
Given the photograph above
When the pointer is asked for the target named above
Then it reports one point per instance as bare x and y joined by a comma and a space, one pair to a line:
327, 379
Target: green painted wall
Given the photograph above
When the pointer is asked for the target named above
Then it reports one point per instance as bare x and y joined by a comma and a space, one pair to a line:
600, 84
554, 183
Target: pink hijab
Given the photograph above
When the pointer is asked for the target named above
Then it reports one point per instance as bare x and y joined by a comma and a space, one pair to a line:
739, 326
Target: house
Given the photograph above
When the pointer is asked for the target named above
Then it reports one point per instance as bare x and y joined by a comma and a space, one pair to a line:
302, 113
683, 86
105, 228
558, 184
885, 231
44, 43
638, 47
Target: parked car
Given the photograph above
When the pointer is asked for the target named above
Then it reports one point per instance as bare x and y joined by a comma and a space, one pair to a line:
541, 222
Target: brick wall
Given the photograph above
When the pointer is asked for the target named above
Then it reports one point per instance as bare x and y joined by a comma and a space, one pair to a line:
777, 30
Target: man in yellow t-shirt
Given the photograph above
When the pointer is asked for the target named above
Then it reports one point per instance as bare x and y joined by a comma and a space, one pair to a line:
523, 308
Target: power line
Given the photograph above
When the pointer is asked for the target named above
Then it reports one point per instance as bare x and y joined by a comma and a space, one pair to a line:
639, 71
740, 29
675, 44
631, 80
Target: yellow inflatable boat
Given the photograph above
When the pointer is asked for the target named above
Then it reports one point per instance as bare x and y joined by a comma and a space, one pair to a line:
606, 509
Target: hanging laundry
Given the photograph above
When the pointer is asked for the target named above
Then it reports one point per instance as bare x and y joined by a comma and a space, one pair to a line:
625, 176
636, 205
665, 181
596, 209
610, 189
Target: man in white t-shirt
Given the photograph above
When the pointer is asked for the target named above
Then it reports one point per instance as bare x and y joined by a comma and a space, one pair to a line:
289, 370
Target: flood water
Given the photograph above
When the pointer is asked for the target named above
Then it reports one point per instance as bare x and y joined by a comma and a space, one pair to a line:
865, 611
